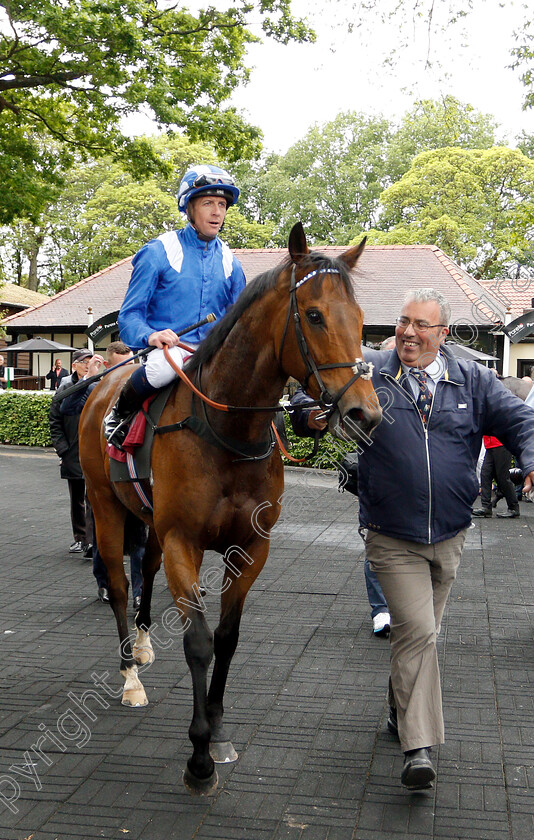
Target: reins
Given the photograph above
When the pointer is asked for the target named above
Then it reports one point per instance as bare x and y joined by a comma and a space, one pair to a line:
326, 401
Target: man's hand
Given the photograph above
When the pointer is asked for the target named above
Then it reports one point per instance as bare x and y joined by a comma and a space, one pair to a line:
94, 365
529, 483
158, 339
319, 425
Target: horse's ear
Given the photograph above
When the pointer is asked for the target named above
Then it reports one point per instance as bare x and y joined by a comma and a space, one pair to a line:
351, 257
297, 243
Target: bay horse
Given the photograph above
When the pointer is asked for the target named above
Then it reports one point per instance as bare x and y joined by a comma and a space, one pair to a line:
224, 493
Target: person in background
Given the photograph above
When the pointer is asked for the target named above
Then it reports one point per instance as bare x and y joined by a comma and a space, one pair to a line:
177, 280
56, 374
496, 464
116, 352
3, 380
64, 433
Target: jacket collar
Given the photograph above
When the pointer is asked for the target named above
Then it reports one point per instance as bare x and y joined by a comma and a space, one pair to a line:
192, 238
453, 372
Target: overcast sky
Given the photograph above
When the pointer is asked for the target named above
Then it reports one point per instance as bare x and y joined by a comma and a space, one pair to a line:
296, 85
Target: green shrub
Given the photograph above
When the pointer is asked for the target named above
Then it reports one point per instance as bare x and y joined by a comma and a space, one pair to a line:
24, 418
24, 421
329, 454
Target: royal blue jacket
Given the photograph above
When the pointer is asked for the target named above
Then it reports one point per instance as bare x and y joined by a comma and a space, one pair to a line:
177, 280
420, 484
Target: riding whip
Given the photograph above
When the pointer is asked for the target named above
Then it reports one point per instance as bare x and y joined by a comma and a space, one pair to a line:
83, 383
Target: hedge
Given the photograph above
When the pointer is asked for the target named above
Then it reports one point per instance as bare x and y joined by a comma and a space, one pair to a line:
24, 421
24, 418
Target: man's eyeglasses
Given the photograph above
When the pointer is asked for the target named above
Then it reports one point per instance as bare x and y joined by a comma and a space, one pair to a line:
211, 178
421, 326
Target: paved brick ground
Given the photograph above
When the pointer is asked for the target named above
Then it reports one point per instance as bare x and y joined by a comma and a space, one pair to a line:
305, 701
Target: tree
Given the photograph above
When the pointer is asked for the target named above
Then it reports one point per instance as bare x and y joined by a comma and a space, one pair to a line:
104, 215
438, 124
332, 179
71, 71
477, 205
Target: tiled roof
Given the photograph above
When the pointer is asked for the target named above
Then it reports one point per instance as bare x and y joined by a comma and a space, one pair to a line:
516, 294
382, 276
12, 295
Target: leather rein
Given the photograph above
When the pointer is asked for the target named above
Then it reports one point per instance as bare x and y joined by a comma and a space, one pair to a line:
326, 401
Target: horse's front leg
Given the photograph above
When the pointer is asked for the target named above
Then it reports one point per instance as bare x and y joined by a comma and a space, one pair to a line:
241, 572
182, 563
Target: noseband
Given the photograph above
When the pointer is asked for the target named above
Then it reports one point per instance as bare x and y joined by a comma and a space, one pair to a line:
361, 369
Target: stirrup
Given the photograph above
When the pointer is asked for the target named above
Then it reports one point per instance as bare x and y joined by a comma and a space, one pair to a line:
116, 428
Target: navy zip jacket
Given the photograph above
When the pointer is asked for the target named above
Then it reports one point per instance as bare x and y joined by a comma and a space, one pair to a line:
420, 484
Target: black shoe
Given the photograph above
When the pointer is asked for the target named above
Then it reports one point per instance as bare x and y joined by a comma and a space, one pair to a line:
392, 724
137, 602
483, 512
509, 514
103, 594
418, 772
88, 551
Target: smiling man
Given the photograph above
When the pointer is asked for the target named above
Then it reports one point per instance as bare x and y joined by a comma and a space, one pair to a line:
177, 279
417, 484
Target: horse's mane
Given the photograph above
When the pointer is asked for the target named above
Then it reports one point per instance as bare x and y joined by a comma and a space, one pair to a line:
255, 290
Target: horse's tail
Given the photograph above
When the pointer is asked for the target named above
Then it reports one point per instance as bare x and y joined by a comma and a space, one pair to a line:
135, 533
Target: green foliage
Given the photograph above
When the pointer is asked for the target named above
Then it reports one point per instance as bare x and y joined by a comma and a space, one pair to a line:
477, 205
104, 215
72, 70
331, 451
24, 418
332, 179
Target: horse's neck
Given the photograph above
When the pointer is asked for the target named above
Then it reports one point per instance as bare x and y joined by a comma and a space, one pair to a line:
245, 371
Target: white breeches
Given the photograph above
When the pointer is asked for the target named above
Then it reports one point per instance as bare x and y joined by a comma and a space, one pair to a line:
158, 371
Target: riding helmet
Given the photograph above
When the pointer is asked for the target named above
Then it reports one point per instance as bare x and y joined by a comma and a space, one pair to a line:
207, 179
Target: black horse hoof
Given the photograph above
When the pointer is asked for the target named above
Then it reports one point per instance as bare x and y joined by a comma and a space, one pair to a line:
200, 787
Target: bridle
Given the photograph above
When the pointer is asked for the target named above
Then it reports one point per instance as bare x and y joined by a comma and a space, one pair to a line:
326, 401
361, 369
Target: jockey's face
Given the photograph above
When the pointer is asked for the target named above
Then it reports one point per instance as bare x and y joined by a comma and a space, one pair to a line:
208, 212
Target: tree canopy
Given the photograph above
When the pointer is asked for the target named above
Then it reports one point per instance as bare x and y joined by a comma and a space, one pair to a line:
69, 72
475, 204
104, 214
332, 179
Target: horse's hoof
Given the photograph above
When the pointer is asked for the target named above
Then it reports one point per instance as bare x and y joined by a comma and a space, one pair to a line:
200, 787
134, 697
222, 752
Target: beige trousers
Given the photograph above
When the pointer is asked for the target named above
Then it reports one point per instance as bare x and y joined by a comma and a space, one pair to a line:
416, 580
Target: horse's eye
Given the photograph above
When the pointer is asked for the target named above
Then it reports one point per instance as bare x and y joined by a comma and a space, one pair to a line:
314, 317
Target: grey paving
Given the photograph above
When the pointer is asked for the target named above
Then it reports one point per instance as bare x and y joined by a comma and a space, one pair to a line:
305, 701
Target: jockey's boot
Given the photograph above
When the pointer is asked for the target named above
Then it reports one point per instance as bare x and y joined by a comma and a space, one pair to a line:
131, 398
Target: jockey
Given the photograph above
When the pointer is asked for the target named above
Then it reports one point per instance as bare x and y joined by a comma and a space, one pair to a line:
177, 280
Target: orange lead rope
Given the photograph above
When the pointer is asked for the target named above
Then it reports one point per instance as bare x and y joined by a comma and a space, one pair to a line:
220, 406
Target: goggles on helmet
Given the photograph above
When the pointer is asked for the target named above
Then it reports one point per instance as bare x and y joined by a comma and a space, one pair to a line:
210, 179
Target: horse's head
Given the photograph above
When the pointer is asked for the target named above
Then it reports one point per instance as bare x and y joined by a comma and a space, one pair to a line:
321, 340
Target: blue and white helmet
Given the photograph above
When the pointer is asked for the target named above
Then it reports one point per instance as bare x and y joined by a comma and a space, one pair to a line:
204, 178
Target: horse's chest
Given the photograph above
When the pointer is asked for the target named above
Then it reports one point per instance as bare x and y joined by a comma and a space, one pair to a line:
236, 519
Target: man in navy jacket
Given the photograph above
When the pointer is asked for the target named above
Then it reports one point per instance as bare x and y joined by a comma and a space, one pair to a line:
417, 484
